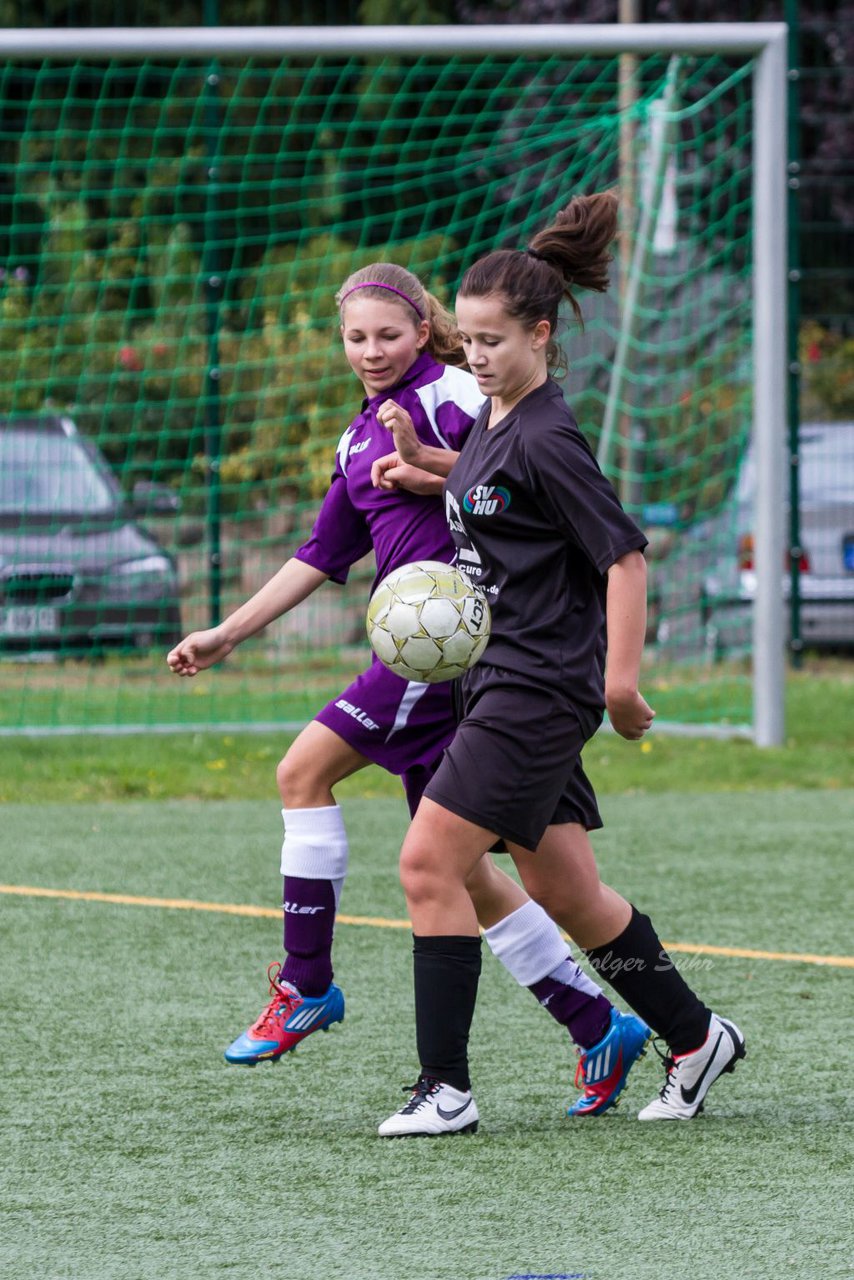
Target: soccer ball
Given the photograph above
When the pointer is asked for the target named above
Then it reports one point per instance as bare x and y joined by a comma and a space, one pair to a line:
426, 622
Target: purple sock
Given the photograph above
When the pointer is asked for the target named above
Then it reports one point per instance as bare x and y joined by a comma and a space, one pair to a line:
586, 1017
309, 910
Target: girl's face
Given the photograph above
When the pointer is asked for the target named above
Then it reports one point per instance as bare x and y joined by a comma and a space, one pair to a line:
507, 358
381, 340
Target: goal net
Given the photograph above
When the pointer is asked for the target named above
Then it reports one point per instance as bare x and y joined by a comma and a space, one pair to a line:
172, 387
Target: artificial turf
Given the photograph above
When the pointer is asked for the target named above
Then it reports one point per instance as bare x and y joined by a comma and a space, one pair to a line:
131, 1150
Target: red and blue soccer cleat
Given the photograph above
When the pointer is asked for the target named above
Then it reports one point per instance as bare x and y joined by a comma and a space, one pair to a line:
603, 1070
287, 1019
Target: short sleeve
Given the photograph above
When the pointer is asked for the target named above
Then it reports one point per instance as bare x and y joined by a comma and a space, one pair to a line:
340, 535
569, 486
451, 403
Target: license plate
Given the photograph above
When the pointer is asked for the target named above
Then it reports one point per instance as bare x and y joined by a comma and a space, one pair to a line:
29, 620
848, 552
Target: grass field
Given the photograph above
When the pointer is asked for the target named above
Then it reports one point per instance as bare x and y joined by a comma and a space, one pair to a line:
131, 1150
128, 690
818, 752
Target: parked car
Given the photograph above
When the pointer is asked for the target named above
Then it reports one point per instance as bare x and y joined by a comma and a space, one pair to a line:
718, 555
77, 570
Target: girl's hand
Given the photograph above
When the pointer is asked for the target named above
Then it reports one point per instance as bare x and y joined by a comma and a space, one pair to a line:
390, 472
399, 423
383, 471
197, 651
413, 465
628, 712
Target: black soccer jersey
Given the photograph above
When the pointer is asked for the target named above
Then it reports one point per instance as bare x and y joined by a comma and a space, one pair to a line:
537, 526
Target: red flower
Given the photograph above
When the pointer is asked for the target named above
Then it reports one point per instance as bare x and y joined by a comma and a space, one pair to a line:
129, 358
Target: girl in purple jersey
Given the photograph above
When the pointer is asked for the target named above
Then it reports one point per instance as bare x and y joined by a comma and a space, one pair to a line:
538, 527
399, 342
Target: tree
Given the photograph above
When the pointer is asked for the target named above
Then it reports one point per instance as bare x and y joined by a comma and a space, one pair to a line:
826, 90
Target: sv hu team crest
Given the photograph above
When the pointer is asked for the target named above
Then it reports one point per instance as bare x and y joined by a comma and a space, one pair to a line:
486, 500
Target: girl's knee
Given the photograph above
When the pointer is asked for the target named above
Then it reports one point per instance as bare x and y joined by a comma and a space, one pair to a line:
482, 875
300, 784
285, 779
420, 870
566, 904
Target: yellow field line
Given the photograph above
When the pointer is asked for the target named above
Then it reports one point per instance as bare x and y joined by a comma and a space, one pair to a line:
379, 922
184, 904
750, 953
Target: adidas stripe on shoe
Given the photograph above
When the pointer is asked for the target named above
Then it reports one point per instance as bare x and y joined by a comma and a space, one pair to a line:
691, 1075
288, 1018
603, 1070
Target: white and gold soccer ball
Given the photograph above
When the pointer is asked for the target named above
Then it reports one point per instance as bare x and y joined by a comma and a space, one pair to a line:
426, 622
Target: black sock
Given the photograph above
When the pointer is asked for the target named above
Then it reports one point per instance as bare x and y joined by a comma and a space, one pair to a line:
446, 976
640, 970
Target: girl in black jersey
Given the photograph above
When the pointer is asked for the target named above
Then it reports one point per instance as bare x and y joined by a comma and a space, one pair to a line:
399, 341
540, 530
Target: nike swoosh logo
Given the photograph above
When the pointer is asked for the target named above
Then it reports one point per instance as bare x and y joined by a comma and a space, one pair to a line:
690, 1095
452, 1115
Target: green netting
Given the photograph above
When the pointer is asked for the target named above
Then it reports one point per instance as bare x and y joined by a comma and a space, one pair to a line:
172, 236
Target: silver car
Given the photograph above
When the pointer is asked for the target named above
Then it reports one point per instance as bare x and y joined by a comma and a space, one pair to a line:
826, 579
77, 570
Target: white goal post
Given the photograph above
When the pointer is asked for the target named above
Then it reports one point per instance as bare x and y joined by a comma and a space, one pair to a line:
765, 43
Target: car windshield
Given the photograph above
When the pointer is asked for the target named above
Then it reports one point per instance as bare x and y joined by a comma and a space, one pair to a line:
42, 473
827, 466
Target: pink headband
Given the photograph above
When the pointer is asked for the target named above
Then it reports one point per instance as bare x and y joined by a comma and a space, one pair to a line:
377, 284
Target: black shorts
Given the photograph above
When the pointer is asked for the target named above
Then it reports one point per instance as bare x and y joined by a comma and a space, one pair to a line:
514, 766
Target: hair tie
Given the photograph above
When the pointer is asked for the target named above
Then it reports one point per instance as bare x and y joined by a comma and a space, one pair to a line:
532, 253
378, 284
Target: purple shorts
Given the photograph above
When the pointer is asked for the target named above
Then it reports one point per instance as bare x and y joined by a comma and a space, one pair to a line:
401, 726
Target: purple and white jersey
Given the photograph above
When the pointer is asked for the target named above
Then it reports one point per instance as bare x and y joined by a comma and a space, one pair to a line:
400, 527
400, 725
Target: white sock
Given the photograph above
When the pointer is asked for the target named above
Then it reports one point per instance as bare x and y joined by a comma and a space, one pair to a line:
529, 945
315, 846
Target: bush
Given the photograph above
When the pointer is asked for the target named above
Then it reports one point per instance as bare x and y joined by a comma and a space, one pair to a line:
827, 374
135, 377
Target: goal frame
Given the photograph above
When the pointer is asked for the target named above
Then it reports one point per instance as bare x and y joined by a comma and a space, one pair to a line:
765, 42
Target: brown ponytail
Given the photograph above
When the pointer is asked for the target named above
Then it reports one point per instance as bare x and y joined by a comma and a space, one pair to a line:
571, 253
